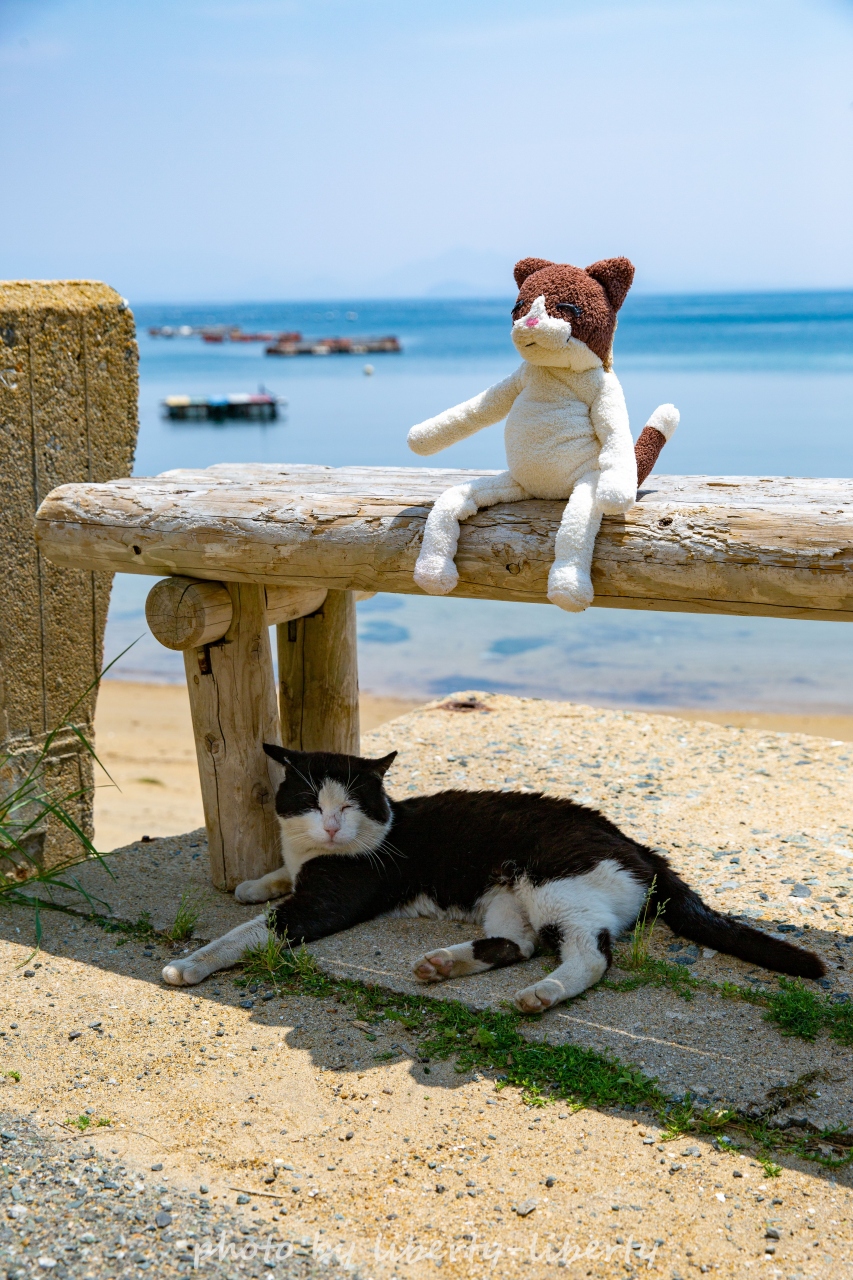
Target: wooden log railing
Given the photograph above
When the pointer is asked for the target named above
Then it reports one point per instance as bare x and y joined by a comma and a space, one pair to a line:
247, 546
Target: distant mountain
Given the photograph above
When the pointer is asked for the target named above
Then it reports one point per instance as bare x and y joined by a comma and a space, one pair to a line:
456, 273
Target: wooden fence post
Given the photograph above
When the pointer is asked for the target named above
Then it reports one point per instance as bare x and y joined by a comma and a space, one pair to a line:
318, 678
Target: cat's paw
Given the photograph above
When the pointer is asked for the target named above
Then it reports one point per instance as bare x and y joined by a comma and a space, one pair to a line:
435, 967
254, 891
182, 973
542, 995
436, 575
569, 587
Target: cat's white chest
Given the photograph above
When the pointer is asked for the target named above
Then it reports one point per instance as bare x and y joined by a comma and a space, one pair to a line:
549, 437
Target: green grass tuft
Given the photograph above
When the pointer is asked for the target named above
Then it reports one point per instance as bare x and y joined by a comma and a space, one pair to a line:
140, 928
186, 918
839, 1019
275, 961
795, 1010
641, 935
85, 1122
656, 973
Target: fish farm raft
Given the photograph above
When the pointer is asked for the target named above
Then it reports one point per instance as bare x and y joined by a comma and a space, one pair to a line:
241, 408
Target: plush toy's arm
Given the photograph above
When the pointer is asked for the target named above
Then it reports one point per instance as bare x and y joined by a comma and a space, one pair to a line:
617, 484
464, 419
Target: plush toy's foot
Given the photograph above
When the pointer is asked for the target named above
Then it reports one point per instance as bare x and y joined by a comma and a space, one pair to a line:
436, 575
569, 587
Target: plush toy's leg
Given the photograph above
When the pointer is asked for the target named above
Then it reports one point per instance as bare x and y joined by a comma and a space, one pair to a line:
569, 583
435, 571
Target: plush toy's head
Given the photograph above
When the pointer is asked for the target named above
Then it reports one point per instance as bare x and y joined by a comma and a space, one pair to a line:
566, 316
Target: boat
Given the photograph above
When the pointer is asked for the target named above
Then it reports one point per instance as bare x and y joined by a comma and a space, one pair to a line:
261, 407
285, 345
289, 343
219, 333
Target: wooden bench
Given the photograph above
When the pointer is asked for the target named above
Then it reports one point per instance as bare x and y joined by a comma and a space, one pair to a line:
246, 546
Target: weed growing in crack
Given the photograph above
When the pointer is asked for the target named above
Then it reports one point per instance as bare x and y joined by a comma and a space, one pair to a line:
795, 1010
186, 918
641, 935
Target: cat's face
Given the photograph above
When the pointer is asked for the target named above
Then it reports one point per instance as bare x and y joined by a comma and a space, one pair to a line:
565, 316
331, 803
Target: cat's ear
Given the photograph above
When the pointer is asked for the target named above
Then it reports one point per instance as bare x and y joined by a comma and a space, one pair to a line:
526, 266
615, 275
279, 754
380, 767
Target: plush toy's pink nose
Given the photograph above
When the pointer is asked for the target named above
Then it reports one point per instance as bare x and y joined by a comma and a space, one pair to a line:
531, 322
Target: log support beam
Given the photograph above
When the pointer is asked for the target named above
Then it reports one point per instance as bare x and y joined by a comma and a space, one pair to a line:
223, 631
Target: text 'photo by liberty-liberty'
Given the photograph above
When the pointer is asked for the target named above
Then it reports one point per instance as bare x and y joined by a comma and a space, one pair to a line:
470, 1247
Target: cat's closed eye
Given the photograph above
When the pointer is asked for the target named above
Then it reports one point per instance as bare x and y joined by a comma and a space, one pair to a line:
570, 306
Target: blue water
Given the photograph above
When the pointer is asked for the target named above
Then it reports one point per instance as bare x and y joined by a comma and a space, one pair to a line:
764, 384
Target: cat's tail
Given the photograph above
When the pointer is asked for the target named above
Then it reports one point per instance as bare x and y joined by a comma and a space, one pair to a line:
686, 914
654, 435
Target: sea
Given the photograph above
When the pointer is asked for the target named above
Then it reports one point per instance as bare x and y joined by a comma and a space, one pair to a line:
764, 383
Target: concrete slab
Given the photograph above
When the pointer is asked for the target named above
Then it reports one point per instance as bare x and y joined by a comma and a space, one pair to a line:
720, 1049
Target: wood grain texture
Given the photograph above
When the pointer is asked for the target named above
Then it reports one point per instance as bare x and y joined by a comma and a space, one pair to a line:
233, 704
318, 678
187, 613
286, 603
727, 544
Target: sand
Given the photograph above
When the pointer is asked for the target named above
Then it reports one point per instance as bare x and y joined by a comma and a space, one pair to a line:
228, 1093
144, 738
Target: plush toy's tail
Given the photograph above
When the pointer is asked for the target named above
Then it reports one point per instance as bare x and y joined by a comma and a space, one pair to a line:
687, 915
653, 437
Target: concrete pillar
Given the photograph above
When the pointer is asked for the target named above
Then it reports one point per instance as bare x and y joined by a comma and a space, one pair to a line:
68, 412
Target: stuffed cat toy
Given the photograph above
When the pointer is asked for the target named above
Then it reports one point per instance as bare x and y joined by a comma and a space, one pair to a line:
567, 434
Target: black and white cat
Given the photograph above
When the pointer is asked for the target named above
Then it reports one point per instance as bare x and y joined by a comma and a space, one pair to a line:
525, 868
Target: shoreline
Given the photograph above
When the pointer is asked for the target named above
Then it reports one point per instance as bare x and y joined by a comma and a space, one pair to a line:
143, 735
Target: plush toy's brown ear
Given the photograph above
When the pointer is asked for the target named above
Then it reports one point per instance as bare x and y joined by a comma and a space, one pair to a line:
615, 275
527, 266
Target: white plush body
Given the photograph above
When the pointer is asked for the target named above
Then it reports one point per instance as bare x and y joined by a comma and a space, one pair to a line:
567, 436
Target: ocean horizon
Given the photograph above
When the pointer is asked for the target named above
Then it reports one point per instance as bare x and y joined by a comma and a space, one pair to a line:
764, 382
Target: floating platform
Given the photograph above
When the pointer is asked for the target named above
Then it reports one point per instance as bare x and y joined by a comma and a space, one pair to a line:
248, 408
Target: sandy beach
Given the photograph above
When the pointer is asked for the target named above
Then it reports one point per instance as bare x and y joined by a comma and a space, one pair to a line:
144, 739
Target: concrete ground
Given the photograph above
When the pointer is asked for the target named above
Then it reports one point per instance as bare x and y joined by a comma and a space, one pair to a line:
334, 1131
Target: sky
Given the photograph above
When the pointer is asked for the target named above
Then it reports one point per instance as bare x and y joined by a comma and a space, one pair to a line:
264, 149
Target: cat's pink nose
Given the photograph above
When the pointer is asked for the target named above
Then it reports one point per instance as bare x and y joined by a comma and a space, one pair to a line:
331, 826
531, 322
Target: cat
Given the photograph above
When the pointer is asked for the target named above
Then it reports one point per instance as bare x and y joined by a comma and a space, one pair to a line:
528, 868
567, 434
